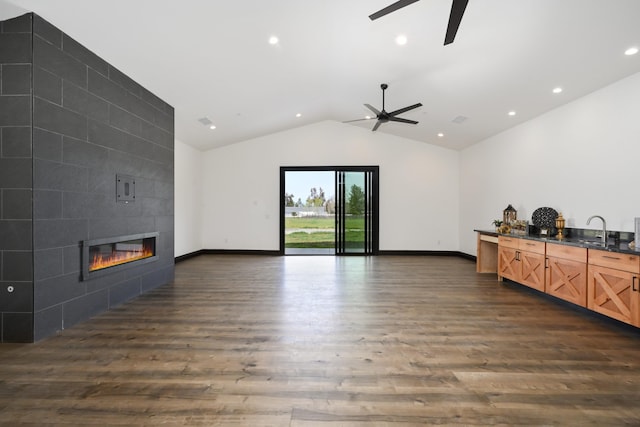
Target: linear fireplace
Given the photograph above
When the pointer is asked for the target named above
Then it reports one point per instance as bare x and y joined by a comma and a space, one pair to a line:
105, 256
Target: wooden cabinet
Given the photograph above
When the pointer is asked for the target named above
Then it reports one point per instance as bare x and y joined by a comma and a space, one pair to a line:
508, 263
566, 273
487, 250
532, 260
603, 281
522, 261
612, 285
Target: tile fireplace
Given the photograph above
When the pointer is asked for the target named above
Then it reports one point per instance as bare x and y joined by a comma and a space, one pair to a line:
64, 161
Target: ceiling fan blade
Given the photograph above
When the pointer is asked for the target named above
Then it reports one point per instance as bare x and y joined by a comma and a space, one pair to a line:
392, 8
398, 119
376, 112
358, 120
457, 10
405, 109
376, 126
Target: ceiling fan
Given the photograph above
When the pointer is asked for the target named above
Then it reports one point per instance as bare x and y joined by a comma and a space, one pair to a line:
384, 117
457, 10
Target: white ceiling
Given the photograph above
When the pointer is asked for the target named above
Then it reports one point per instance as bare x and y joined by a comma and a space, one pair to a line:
211, 58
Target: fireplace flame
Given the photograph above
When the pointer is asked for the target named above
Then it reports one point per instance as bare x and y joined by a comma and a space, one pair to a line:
117, 257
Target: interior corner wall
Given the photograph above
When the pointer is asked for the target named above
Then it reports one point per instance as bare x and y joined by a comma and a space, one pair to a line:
16, 254
581, 159
188, 199
419, 203
89, 122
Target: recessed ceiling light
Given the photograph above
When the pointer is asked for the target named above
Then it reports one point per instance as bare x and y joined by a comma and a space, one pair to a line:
512, 113
631, 51
401, 40
441, 135
212, 127
557, 90
298, 115
273, 40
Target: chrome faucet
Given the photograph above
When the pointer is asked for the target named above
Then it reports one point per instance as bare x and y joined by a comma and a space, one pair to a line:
604, 228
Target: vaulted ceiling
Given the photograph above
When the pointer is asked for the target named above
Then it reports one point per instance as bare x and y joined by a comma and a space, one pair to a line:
213, 59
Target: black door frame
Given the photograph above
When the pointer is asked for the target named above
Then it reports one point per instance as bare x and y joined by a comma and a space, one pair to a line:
373, 203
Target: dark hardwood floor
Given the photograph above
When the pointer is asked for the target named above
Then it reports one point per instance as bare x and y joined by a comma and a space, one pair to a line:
325, 341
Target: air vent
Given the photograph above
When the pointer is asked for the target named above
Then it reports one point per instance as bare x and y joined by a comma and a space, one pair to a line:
205, 121
459, 119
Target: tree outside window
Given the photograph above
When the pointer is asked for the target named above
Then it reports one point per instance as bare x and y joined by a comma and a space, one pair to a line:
355, 201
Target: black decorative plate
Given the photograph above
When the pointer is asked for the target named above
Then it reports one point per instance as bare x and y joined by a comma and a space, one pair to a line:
544, 217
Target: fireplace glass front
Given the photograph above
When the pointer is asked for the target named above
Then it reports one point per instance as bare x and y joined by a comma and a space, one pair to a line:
113, 254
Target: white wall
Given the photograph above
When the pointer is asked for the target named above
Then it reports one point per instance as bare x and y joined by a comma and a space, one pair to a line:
188, 195
419, 188
581, 159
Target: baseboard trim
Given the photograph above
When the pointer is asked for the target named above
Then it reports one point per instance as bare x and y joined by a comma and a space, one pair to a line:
428, 253
239, 252
187, 256
277, 253
224, 252
468, 256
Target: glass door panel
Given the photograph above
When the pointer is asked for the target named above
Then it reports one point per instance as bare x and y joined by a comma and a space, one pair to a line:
309, 213
355, 212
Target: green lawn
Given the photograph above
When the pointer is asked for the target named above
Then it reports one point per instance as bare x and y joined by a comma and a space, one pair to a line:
301, 239
352, 222
309, 222
322, 239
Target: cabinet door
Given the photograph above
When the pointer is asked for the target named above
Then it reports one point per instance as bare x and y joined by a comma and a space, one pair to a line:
635, 302
567, 279
611, 292
508, 265
532, 270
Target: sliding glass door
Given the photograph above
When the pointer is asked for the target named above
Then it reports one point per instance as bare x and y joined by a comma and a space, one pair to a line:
309, 212
351, 205
356, 217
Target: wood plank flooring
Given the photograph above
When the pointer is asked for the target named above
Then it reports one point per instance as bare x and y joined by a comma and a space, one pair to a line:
325, 341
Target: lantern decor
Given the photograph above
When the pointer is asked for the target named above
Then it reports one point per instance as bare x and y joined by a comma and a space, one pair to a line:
509, 215
560, 226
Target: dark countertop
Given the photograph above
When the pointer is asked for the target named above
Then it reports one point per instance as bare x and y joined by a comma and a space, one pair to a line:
582, 241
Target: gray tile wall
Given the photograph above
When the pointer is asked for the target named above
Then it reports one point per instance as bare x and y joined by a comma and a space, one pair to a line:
16, 255
90, 123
